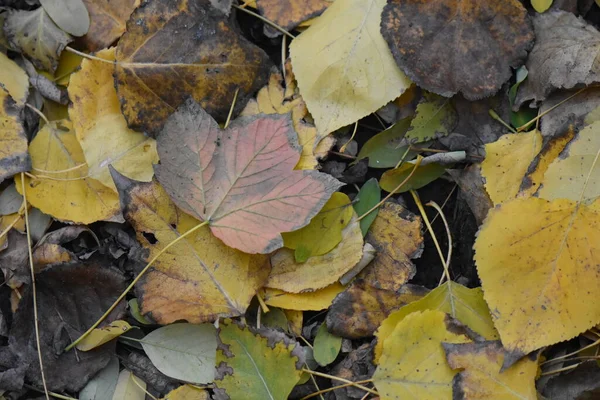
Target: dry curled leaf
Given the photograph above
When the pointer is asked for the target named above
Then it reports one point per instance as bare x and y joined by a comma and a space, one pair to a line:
453, 46
240, 179
191, 50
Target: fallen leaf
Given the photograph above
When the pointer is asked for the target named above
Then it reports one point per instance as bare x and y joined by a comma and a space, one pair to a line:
240, 179
434, 117
142, 367
562, 58
289, 14
384, 150
463, 304
14, 157
14, 260
102, 386
525, 115
107, 21
187, 392
129, 387
506, 163
413, 363
295, 319
99, 336
326, 346
319, 271
472, 190
10, 200
541, 5
256, 365
361, 308
183, 351
14, 79
324, 232
343, 67
102, 130
204, 278
573, 112
194, 51
318, 300
134, 310
482, 377
70, 196
580, 383
423, 176
575, 175
275, 99
368, 197
70, 298
34, 34
67, 64
69, 15
449, 47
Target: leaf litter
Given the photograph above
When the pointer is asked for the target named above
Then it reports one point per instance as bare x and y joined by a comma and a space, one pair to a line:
194, 174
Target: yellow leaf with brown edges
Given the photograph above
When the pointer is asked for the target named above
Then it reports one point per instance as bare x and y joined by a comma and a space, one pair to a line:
69, 196
199, 279
101, 128
14, 157
99, 336
481, 376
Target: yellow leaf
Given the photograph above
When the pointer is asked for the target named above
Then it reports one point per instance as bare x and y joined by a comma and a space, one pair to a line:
317, 300
67, 64
463, 304
324, 231
14, 79
274, 99
343, 65
69, 196
541, 5
13, 151
99, 336
482, 376
295, 319
199, 279
506, 163
318, 271
575, 175
537, 263
187, 392
413, 363
101, 128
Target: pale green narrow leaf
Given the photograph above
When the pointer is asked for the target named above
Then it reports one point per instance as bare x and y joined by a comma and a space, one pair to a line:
326, 347
368, 196
384, 149
102, 386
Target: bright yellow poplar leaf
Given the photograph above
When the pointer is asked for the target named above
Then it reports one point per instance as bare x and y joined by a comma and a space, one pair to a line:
541, 5
413, 363
319, 271
343, 65
69, 196
101, 128
99, 336
506, 163
482, 377
275, 99
324, 231
463, 304
537, 261
67, 64
14, 79
308, 301
575, 175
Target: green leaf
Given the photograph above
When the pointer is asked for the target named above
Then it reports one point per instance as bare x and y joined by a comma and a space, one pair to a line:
134, 310
327, 346
422, 176
183, 351
368, 196
103, 384
435, 117
275, 318
384, 150
526, 114
257, 365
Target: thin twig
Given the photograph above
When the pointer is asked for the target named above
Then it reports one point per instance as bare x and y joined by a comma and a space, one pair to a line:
556, 371
132, 284
524, 126
59, 171
88, 56
495, 116
337, 378
335, 388
265, 20
231, 108
10, 226
33, 288
589, 346
38, 112
57, 395
343, 148
134, 380
449, 256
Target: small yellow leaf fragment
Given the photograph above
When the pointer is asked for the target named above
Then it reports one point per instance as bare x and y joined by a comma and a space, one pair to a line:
343, 65
308, 301
129, 387
506, 163
99, 336
541, 5
537, 260
187, 392
413, 363
14, 79
482, 377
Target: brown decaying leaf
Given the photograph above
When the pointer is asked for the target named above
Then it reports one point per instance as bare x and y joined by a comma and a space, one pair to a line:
14, 261
14, 157
472, 189
564, 56
289, 13
176, 49
240, 179
582, 383
359, 310
451, 46
107, 21
70, 298
572, 112
199, 279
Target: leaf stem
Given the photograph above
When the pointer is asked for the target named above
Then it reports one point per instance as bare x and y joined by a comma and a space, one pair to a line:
449, 256
132, 284
335, 388
376, 206
495, 116
265, 20
337, 378
57, 395
33, 288
231, 108
88, 56
525, 125
343, 148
